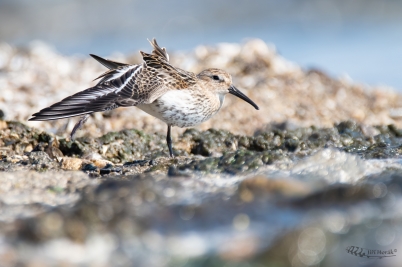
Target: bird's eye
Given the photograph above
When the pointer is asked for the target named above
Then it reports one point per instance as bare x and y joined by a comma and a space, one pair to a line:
215, 77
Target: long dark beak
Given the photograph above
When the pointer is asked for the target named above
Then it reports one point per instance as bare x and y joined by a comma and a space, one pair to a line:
234, 91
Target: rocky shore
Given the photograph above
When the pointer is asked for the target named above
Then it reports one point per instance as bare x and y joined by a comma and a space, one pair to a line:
315, 171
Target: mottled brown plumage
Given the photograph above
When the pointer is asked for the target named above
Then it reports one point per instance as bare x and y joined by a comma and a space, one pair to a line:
178, 97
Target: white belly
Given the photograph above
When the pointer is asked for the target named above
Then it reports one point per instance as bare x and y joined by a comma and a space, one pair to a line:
182, 108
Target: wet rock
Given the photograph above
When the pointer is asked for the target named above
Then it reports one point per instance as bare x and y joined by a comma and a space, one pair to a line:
173, 171
291, 143
231, 153
347, 127
137, 162
41, 161
211, 142
234, 163
91, 169
109, 169
118, 147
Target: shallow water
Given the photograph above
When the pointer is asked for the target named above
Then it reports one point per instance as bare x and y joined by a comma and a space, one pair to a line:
212, 219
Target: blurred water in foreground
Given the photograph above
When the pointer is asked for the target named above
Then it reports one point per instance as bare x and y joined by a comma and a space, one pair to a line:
360, 38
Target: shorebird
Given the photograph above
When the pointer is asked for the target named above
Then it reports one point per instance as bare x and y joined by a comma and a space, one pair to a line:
175, 96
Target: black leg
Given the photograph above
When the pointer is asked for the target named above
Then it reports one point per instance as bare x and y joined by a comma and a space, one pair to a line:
169, 141
79, 125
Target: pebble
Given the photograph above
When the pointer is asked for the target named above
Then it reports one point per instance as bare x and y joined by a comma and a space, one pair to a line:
72, 164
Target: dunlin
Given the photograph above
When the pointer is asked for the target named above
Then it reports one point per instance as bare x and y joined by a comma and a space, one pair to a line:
175, 96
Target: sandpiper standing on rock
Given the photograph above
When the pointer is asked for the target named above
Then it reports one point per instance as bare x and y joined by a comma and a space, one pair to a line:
175, 96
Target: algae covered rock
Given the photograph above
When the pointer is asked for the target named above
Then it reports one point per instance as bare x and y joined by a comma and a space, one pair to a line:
118, 147
225, 151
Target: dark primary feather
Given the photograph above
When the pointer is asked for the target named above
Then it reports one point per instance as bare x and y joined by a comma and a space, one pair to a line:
111, 65
98, 98
108, 63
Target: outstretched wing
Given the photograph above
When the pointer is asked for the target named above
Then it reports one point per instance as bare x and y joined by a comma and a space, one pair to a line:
122, 85
113, 91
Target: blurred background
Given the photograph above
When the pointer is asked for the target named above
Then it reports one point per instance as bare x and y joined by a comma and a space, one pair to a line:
304, 211
359, 38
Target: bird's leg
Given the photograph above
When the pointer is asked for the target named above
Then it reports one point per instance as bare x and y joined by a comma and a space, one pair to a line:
169, 141
79, 125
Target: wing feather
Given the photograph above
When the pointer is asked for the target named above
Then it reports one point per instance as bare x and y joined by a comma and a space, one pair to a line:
108, 63
158, 51
122, 85
88, 101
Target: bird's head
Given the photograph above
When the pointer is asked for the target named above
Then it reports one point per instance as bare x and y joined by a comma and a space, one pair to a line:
220, 82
